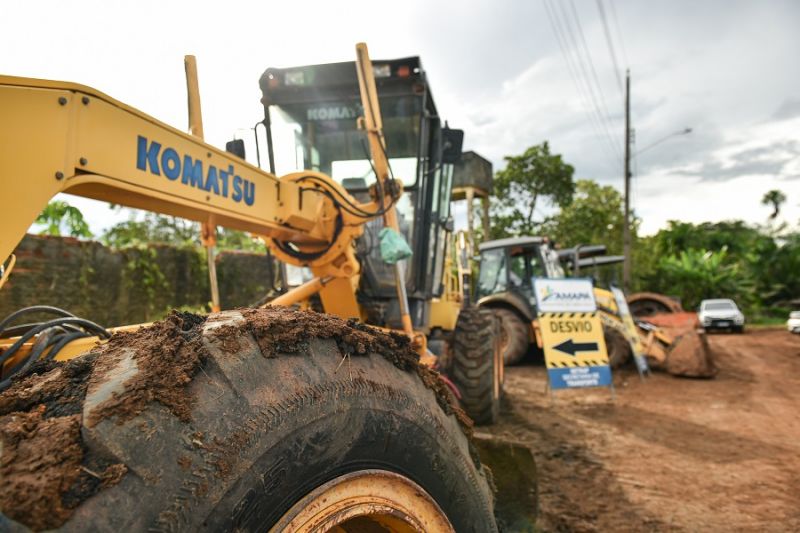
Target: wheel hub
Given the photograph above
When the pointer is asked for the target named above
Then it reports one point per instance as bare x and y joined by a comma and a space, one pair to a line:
354, 502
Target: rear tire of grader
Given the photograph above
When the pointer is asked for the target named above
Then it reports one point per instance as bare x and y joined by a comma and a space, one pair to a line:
306, 440
514, 335
477, 364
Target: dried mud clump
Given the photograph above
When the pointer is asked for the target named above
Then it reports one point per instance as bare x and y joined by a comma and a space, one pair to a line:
167, 355
43, 462
59, 387
445, 399
46, 471
283, 330
41, 459
44, 468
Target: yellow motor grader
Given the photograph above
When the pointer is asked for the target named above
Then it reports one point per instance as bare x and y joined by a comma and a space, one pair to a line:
268, 419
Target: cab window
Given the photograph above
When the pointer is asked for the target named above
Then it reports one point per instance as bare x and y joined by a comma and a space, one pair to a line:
492, 278
525, 265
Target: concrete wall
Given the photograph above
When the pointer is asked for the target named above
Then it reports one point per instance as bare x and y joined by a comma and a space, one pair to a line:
115, 287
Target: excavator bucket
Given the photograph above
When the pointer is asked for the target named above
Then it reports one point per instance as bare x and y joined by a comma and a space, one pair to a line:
514, 474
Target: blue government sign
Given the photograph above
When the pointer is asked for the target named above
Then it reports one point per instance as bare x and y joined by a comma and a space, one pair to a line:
588, 376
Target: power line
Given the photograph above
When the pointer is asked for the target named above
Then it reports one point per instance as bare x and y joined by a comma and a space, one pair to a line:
610, 46
563, 45
594, 71
587, 80
619, 32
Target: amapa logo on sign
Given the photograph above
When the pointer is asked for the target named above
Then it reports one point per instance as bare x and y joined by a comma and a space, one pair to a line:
570, 295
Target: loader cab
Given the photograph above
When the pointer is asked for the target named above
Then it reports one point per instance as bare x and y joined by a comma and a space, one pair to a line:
508, 267
311, 117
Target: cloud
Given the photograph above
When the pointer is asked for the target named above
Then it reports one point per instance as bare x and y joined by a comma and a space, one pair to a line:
773, 159
790, 108
691, 199
496, 70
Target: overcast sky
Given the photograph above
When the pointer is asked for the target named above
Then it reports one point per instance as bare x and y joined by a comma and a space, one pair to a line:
727, 69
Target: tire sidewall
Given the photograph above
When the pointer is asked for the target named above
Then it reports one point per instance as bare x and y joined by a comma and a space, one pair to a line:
398, 435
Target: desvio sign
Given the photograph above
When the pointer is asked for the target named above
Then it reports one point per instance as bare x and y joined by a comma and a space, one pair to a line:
572, 335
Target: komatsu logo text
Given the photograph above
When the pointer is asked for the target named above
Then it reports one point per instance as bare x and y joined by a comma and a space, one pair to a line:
221, 182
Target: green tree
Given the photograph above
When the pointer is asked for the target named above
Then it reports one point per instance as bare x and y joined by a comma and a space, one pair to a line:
175, 231
774, 198
752, 264
735, 235
231, 239
518, 189
59, 214
153, 228
595, 216
694, 275
775, 263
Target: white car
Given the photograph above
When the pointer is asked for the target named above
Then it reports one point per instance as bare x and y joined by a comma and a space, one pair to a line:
721, 314
793, 324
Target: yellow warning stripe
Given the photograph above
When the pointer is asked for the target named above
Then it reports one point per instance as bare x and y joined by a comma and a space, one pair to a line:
568, 315
570, 364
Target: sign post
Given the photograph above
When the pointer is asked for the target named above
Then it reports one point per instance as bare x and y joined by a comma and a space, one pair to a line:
631, 332
572, 334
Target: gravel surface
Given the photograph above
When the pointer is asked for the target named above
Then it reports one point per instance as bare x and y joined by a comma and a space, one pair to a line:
669, 454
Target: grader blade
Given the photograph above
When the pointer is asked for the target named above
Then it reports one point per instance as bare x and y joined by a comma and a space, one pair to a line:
514, 472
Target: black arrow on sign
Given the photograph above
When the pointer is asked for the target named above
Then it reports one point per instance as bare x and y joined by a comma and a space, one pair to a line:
571, 348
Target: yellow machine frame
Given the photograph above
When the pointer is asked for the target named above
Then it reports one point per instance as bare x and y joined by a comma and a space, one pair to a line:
100, 148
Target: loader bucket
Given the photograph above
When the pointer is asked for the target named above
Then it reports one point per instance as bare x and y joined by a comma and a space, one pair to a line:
514, 472
683, 345
690, 356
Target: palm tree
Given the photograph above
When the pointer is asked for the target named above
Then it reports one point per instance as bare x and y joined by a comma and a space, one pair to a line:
774, 198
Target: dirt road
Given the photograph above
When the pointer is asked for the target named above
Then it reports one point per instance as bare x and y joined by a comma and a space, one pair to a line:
669, 454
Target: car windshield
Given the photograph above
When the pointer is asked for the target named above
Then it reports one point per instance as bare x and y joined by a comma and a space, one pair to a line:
719, 306
794, 314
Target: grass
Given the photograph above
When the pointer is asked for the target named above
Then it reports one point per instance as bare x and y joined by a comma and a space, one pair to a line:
765, 322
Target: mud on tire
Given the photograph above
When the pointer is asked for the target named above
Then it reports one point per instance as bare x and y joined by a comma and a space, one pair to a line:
270, 420
476, 365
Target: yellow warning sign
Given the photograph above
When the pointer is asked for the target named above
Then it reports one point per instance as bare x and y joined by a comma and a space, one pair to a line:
572, 340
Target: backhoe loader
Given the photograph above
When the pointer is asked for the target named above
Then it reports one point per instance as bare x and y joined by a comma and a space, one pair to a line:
254, 419
507, 268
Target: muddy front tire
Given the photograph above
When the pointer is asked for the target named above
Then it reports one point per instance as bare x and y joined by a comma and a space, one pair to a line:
477, 364
269, 430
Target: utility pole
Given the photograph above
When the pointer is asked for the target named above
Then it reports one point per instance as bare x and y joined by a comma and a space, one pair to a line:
626, 229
